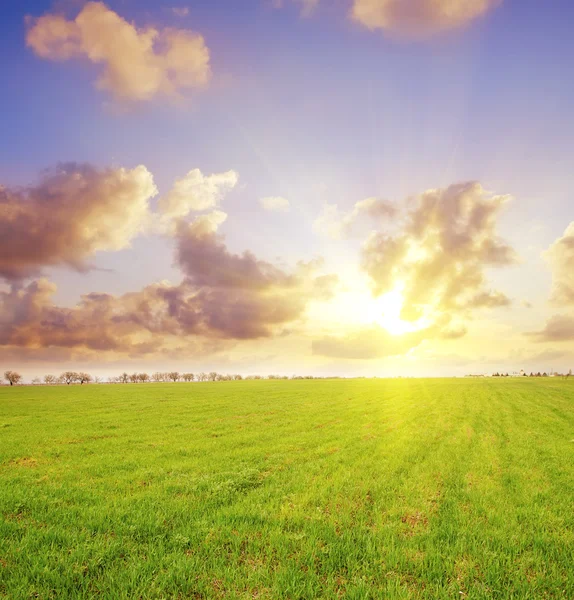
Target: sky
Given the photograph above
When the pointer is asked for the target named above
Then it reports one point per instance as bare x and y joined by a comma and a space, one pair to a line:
326, 187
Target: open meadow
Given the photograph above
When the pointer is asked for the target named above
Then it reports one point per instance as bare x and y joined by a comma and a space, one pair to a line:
445, 488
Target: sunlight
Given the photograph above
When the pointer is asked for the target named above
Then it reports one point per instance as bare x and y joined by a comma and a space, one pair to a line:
388, 308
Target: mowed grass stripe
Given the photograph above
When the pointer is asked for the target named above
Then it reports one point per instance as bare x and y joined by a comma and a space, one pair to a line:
443, 488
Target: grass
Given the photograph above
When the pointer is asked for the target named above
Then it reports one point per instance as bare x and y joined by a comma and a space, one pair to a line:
288, 489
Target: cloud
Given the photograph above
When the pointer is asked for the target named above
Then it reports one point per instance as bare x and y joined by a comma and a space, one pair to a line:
419, 18
308, 7
147, 322
180, 11
559, 328
138, 64
244, 296
439, 254
560, 257
337, 225
75, 211
197, 192
275, 204
223, 298
368, 343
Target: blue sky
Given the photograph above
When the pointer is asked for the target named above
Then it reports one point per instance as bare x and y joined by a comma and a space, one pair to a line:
317, 110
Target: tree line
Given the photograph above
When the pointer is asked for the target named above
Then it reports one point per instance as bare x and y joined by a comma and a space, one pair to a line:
74, 377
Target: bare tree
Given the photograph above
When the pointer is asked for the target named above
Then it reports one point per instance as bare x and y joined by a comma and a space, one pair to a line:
50, 379
174, 376
97, 379
202, 376
112, 379
36, 381
69, 377
143, 377
157, 376
188, 377
238, 377
213, 376
134, 377
124, 378
12, 377
84, 378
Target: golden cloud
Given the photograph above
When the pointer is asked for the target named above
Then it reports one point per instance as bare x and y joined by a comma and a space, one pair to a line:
560, 256
197, 192
138, 64
439, 255
75, 211
416, 18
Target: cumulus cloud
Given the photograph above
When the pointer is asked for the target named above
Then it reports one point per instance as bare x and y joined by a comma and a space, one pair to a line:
245, 296
196, 192
416, 18
439, 254
137, 64
275, 204
141, 323
224, 297
409, 18
559, 328
560, 256
75, 211
338, 225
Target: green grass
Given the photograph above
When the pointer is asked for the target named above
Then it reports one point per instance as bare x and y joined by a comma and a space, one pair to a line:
290, 489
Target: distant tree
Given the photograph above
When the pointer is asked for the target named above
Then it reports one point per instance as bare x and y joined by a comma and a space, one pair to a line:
12, 377
202, 376
143, 377
544, 374
84, 378
36, 381
213, 376
238, 377
97, 379
188, 377
50, 379
113, 379
157, 376
174, 376
69, 377
124, 378
134, 377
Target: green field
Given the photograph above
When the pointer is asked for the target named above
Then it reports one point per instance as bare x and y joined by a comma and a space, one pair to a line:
288, 489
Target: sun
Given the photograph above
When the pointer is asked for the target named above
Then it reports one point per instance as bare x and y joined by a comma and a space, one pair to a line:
356, 306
